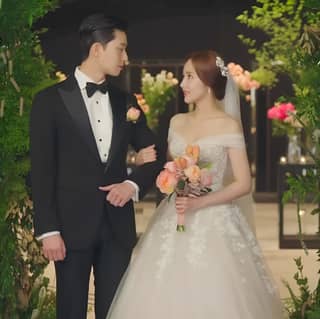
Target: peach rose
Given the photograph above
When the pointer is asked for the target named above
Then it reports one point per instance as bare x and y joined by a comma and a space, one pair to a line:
193, 151
145, 108
138, 96
133, 114
193, 173
170, 75
181, 162
166, 182
174, 81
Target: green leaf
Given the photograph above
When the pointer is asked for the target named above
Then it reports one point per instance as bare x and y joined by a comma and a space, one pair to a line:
181, 185
315, 211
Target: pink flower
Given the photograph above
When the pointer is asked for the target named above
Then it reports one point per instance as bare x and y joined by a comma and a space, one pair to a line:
281, 111
206, 177
273, 113
235, 69
133, 114
286, 109
166, 182
242, 77
171, 167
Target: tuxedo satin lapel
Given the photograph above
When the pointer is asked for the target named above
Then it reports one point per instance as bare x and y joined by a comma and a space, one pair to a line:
74, 103
117, 131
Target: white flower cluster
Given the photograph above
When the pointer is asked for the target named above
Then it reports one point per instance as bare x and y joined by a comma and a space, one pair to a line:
157, 91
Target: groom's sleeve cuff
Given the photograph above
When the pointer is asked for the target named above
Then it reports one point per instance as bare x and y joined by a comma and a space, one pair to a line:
48, 234
135, 197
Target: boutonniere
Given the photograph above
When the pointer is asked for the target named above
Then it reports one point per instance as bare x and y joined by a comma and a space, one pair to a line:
133, 114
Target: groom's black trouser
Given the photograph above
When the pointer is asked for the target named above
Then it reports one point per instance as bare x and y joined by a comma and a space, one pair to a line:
109, 261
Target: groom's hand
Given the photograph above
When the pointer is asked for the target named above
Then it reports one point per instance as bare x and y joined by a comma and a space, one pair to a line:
118, 194
53, 247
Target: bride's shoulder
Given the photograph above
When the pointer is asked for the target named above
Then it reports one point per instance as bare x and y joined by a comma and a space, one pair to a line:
178, 119
229, 125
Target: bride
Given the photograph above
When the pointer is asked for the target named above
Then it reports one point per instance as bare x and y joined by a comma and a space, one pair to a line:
215, 268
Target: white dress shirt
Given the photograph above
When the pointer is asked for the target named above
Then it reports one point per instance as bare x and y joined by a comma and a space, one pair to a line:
100, 115
101, 119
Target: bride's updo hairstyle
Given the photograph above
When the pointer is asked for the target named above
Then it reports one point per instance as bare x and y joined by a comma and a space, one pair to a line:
211, 71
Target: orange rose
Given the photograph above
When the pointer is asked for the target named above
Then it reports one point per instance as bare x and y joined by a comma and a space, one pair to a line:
193, 173
181, 162
193, 151
145, 108
166, 182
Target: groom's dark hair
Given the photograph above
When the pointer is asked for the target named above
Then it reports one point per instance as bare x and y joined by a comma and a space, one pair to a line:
98, 28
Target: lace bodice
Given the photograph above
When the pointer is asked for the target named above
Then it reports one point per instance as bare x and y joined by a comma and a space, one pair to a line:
213, 149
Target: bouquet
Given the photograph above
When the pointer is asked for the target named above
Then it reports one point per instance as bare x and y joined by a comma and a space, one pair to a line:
185, 176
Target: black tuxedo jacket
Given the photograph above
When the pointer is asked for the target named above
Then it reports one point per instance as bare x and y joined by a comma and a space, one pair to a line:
66, 169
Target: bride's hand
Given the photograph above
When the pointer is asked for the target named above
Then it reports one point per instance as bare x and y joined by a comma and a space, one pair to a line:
187, 204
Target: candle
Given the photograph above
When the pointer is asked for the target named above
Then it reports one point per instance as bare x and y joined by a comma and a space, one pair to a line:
303, 160
10, 64
21, 101
253, 97
2, 109
3, 58
283, 160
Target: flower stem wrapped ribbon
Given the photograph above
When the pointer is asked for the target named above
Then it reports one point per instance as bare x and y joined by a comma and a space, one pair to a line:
185, 176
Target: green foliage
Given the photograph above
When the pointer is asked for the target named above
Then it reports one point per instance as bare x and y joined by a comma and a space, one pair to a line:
23, 72
307, 304
307, 87
264, 76
280, 128
292, 30
281, 24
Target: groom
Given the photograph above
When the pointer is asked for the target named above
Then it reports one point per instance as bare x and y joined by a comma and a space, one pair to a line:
79, 134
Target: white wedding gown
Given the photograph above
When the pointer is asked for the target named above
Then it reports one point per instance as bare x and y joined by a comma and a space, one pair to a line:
214, 270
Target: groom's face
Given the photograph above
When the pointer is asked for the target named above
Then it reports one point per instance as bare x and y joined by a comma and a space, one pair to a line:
113, 56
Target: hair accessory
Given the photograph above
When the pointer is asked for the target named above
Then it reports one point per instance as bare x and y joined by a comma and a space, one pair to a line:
220, 64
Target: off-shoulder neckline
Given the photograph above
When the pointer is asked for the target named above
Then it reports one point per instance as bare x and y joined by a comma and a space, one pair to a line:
197, 140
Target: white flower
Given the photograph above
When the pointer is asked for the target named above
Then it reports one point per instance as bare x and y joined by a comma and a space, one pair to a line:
316, 134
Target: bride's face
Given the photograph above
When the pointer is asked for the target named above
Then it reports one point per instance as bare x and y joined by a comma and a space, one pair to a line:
193, 88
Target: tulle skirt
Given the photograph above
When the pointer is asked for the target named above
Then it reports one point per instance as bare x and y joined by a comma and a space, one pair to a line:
214, 270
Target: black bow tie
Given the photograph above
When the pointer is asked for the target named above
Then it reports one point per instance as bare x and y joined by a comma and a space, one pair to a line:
93, 87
